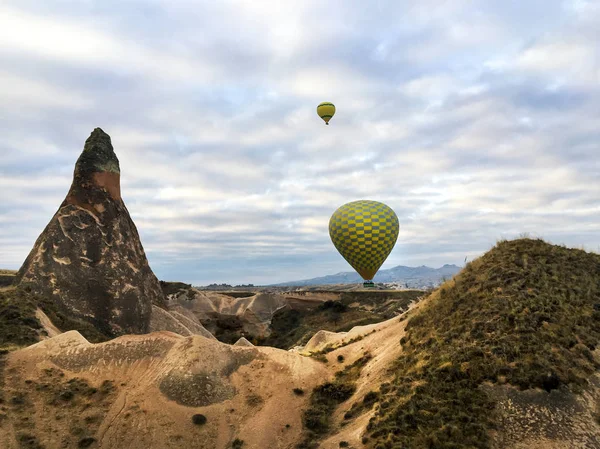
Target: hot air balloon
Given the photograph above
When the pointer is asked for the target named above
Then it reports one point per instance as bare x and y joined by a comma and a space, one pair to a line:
364, 232
326, 111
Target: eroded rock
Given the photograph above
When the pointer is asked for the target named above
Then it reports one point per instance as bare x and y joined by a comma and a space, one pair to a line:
89, 259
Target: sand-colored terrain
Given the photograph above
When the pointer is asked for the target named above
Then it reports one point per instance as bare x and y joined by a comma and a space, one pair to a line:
49, 327
148, 391
252, 313
142, 391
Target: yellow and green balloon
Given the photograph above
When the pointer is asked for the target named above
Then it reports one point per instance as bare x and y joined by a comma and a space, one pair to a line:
326, 110
364, 232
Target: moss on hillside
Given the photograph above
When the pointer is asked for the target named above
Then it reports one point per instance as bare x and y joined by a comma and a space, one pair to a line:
526, 313
19, 326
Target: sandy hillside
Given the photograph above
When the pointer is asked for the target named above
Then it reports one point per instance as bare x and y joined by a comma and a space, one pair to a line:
254, 312
143, 391
163, 390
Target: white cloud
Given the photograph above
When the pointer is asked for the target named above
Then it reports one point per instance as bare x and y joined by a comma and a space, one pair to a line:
20, 95
472, 120
81, 44
564, 61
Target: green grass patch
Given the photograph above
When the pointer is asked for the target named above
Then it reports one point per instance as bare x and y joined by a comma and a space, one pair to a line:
526, 313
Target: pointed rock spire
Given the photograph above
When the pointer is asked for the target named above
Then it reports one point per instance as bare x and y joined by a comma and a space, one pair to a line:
90, 259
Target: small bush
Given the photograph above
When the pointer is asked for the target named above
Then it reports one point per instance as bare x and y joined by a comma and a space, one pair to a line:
338, 392
199, 419
237, 443
371, 397
334, 306
320, 358
67, 395
344, 444
254, 400
298, 391
86, 442
326, 397
340, 358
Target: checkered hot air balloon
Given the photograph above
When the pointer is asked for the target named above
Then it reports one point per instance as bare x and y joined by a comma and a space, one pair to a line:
364, 232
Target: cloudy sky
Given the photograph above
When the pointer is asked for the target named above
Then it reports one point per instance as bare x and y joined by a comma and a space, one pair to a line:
474, 120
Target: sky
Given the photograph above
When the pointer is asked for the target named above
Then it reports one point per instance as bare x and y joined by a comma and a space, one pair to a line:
473, 120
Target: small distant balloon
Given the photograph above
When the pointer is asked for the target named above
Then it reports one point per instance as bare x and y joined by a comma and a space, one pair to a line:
326, 110
364, 232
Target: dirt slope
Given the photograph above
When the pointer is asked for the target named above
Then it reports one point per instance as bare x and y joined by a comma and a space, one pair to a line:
142, 391
48, 326
222, 314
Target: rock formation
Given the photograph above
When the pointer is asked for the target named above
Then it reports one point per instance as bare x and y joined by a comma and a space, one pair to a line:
172, 321
89, 258
243, 342
222, 314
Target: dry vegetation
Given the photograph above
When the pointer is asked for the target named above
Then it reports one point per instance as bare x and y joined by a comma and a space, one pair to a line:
325, 399
7, 277
527, 313
19, 326
292, 327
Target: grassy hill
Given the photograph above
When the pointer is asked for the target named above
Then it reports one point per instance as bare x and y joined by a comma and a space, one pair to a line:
526, 314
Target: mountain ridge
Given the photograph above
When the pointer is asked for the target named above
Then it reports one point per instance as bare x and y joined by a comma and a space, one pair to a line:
412, 277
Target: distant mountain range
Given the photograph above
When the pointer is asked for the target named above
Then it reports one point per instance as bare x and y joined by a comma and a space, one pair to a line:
411, 277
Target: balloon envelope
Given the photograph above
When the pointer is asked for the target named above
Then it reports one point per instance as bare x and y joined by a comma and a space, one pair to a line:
364, 232
326, 111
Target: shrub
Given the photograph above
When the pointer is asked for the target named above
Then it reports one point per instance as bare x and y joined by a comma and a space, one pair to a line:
320, 358
326, 397
199, 419
86, 442
371, 397
254, 400
29, 441
298, 391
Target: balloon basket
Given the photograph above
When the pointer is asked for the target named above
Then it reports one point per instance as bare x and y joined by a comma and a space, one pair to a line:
368, 284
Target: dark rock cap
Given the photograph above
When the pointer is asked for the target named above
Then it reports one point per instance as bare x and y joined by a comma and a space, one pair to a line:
97, 173
98, 155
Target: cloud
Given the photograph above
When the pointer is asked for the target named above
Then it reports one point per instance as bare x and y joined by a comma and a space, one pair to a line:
472, 120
